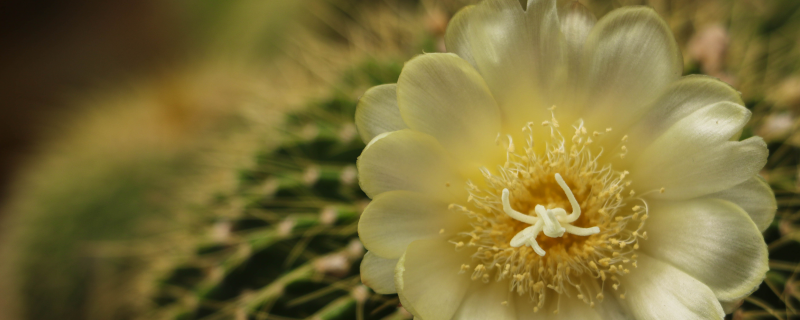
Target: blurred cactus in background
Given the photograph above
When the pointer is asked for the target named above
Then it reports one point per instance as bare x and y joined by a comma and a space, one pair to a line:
225, 187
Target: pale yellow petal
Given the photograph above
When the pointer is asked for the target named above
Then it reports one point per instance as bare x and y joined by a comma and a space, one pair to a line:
631, 58
408, 160
712, 240
396, 218
730, 306
487, 301
681, 99
756, 198
549, 55
568, 308
377, 112
442, 95
427, 279
457, 36
399, 270
577, 22
658, 291
694, 157
520, 53
378, 273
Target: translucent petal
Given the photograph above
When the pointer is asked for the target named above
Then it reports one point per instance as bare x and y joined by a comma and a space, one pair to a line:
409, 160
575, 309
377, 112
656, 290
378, 273
712, 240
730, 306
520, 53
427, 279
457, 36
486, 301
694, 157
631, 58
399, 270
756, 198
396, 218
680, 100
442, 95
568, 309
577, 22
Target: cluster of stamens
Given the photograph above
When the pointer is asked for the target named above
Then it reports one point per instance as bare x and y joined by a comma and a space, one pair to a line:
549, 220
581, 254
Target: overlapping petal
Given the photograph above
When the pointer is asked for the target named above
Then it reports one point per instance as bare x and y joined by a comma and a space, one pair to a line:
487, 301
377, 112
567, 309
756, 198
378, 273
694, 157
411, 216
656, 290
408, 160
442, 95
576, 24
712, 240
631, 58
681, 99
427, 279
520, 53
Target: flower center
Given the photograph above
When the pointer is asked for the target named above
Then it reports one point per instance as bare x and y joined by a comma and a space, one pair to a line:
549, 220
521, 234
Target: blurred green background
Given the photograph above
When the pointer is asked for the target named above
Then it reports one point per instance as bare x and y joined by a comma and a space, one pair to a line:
195, 159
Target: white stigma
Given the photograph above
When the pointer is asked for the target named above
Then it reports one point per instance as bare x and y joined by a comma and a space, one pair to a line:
554, 222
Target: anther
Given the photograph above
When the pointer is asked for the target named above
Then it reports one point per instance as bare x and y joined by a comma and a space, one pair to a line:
510, 148
554, 222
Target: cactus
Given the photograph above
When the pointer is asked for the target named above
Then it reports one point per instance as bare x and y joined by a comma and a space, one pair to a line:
291, 250
142, 203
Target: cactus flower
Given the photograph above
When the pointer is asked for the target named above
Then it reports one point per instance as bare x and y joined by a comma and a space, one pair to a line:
552, 165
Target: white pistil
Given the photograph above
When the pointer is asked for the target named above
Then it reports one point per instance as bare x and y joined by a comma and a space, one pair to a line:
554, 222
